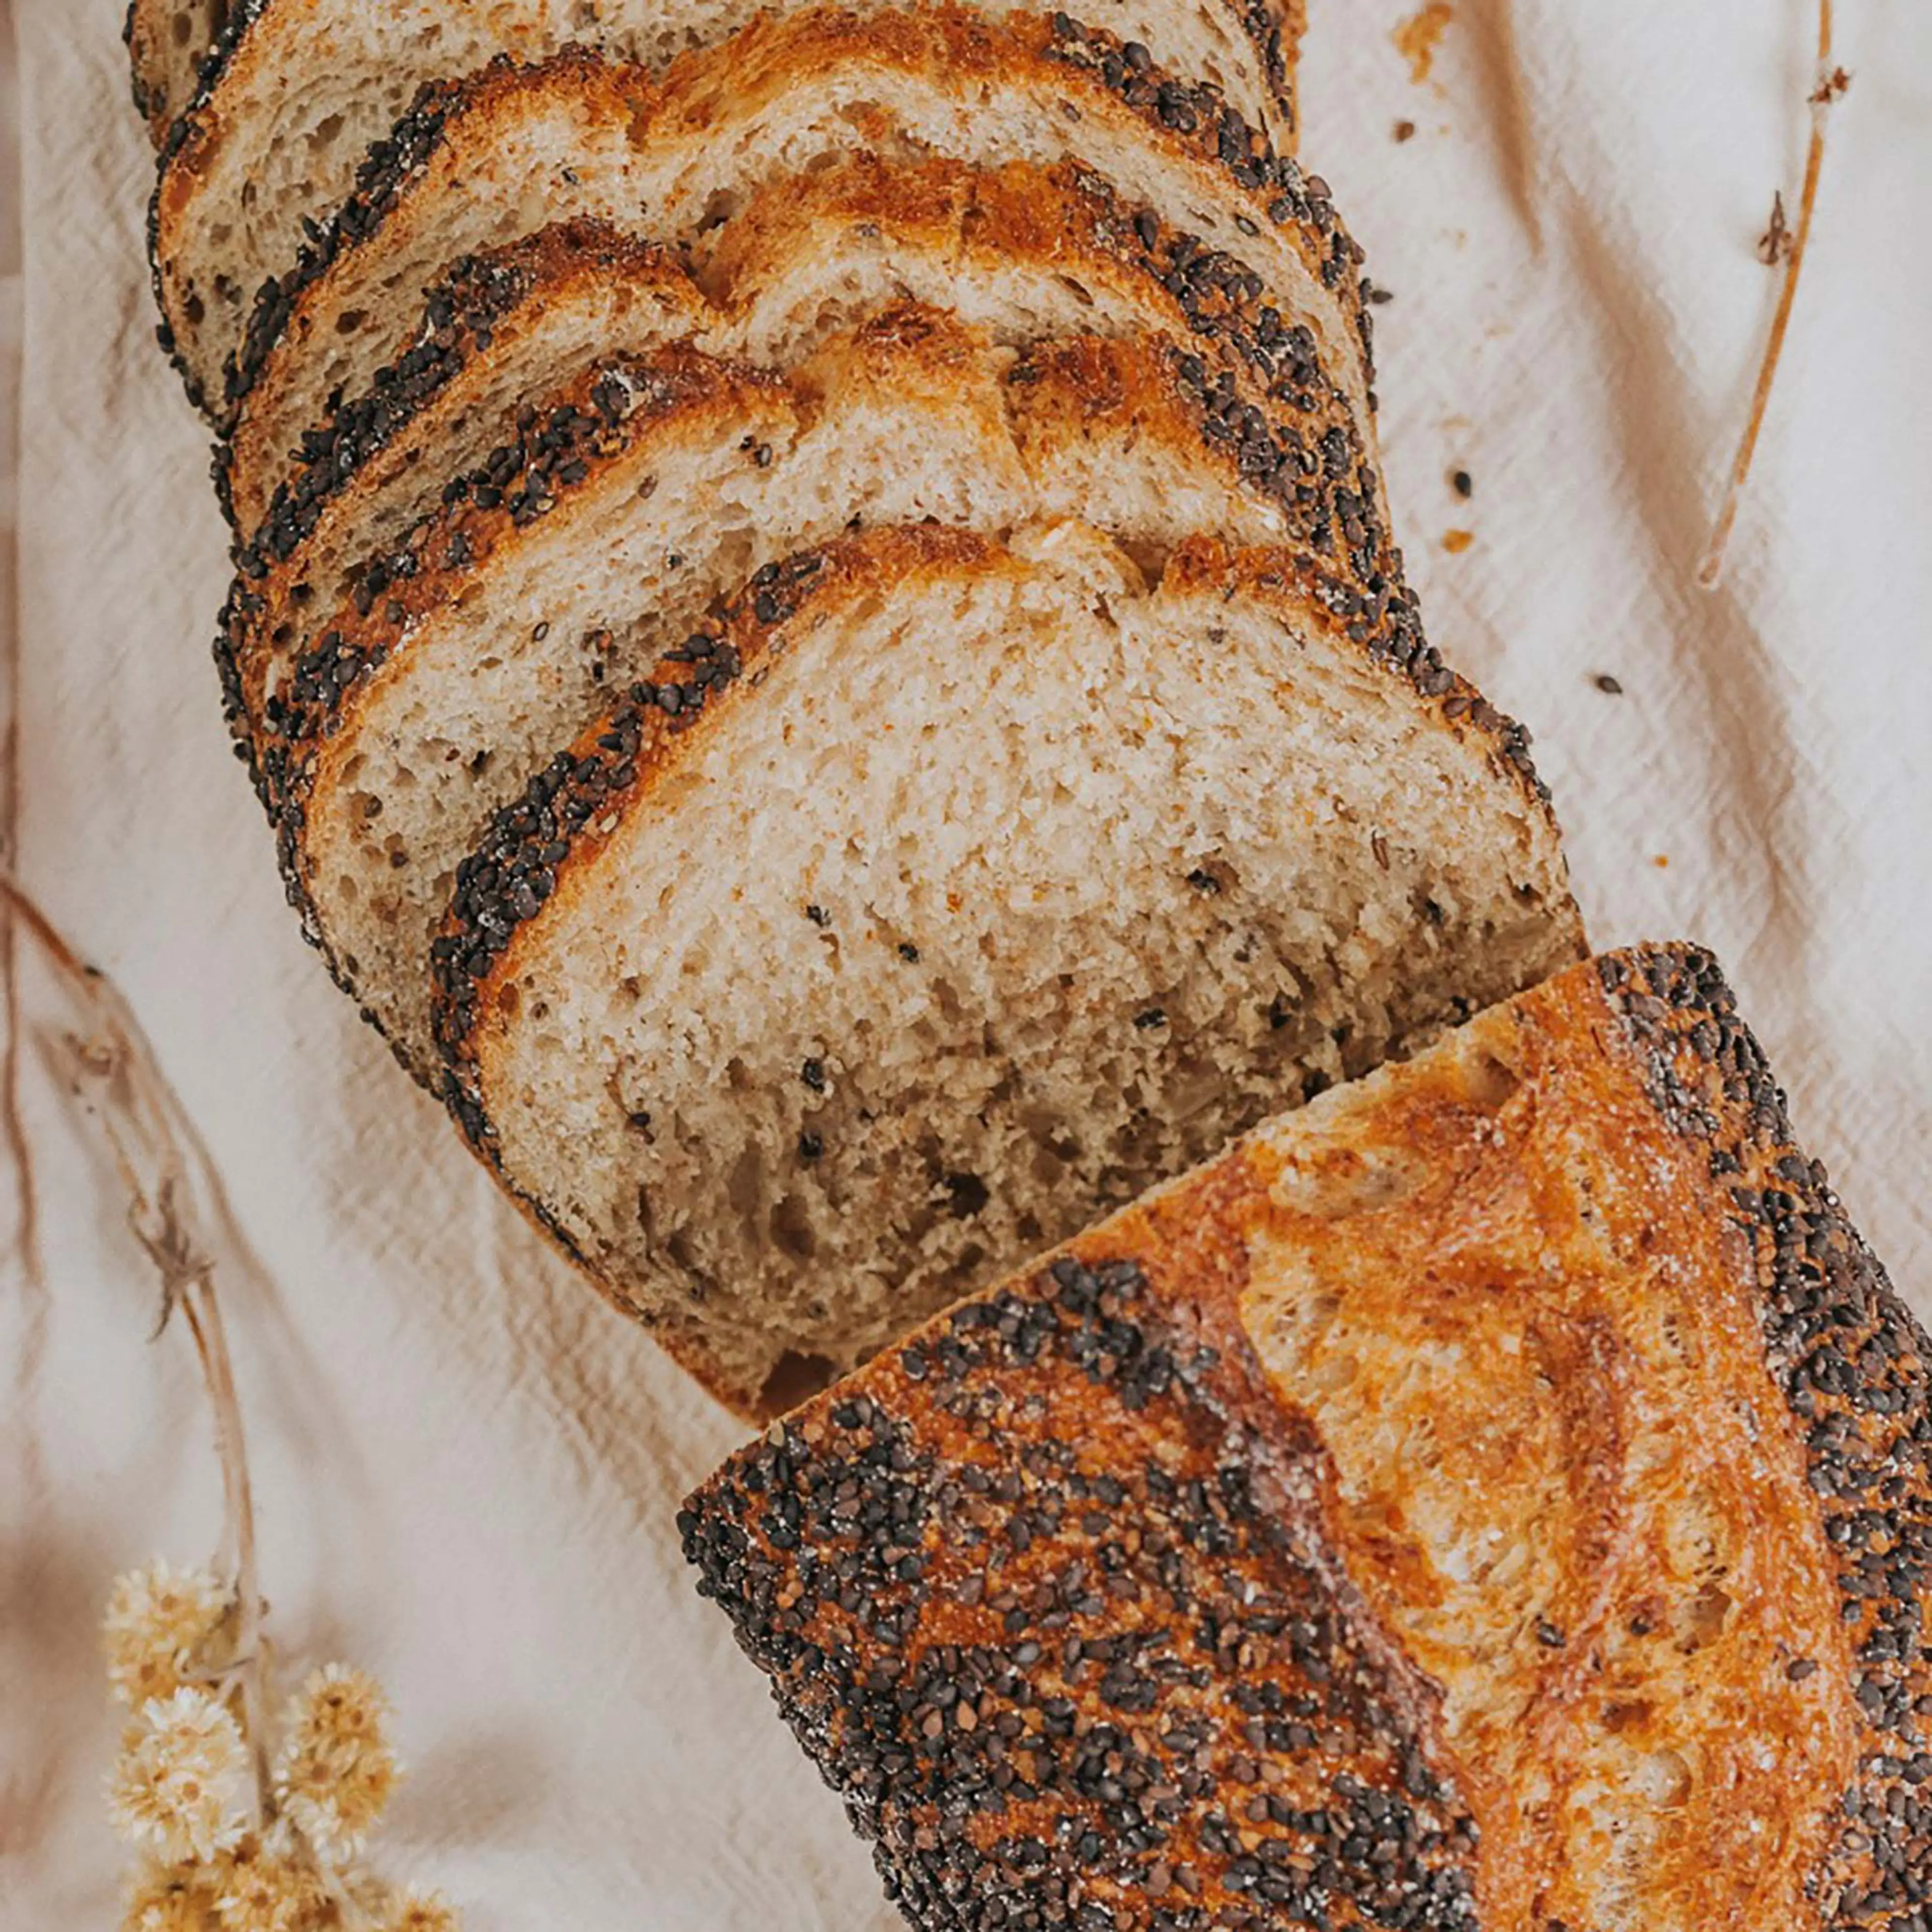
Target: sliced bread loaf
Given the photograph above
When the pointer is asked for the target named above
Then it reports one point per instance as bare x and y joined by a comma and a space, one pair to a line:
1497, 1495
433, 702
478, 163
944, 893
1023, 252
273, 143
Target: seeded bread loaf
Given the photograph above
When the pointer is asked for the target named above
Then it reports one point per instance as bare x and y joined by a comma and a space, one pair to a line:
300, 89
1496, 1495
434, 697
1117, 869
479, 162
1020, 252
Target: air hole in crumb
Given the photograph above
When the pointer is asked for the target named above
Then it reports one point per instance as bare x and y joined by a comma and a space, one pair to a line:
1487, 1080
1704, 1619
1665, 1779
791, 1229
969, 1196
795, 1378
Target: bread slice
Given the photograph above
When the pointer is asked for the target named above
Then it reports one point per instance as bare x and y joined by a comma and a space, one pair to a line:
1494, 1496
168, 42
418, 715
944, 893
579, 136
273, 145
1022, 252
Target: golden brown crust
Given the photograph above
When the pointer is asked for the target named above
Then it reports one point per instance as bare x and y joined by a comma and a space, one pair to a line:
1575, 1241
1045, 1592
1850, 1362
1612, 1593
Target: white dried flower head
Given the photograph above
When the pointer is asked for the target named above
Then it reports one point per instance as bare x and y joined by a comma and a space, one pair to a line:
159, 1623
260, 1888
170, 1898
335, 1770
178, 1788
420, 1911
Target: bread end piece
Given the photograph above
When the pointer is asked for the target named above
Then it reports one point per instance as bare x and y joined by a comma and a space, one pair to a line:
1538, 1387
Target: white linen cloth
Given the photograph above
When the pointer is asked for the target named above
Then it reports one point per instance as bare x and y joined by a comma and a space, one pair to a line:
467, 1468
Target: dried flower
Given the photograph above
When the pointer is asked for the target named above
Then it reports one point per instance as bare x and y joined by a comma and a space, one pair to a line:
170, 1898
179, 1787
193, 1788
335, 1772
418, 1912
159, 1624
262, 1889
1774, 244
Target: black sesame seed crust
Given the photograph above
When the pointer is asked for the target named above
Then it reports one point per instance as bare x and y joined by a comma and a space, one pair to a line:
1042, 1593
1328, 491
378, 182
1194, 116
1293, 199
145, 104
1256, 383
458, 318
1852, 1361
461, 318
570, 441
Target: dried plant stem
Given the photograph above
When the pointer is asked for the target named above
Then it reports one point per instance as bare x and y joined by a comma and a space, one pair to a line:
1825, 90
201, 1312
167, 1171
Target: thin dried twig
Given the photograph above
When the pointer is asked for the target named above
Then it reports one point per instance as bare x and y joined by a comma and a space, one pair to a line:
1830, 86
170, 1180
